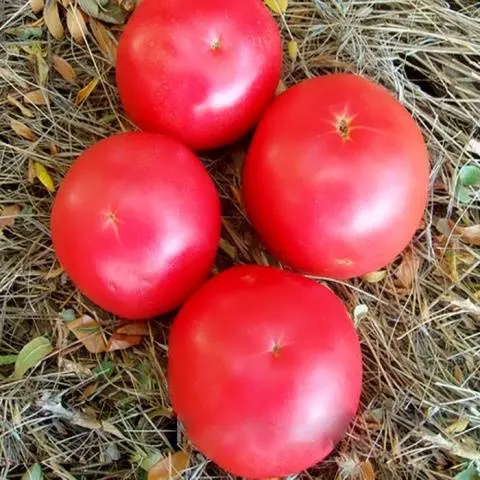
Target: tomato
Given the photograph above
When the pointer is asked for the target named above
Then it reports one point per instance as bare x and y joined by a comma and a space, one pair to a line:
201, 71
136, 224
336, 179
265, 371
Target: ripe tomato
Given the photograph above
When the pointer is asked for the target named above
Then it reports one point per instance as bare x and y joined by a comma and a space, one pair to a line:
201, 71
136, 224
336, 178
265, 371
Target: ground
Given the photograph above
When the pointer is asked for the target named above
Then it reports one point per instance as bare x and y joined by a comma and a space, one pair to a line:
99, 416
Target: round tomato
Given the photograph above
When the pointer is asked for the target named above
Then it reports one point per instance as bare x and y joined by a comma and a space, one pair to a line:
265, 371
201, 71
136, 224
336, 179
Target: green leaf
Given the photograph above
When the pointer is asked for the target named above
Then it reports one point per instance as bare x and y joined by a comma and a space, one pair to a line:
469, 175
7, 359
470, 473
68, 315
105, 368
31, 355
33, 473
463, 194
106, 10
26, 33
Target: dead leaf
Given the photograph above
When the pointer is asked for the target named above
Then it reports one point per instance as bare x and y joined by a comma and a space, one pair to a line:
375, 277
293, 49
277, 6
459, 426
108, 11
129, 5
37, 97
408, 269
106, 42
53, 273
170, 467
31, 175
281, 87
52, 19
469, 235
89, 332
36, 5
8, 215
366, 471
122, 342
90, 390
76, 24
458, 374
86, 91
135, 328
22, 130
65, 70
45, 179
26, 112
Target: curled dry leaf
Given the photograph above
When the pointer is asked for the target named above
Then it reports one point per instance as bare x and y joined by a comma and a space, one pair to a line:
89, 332
36, 5
22, 130
277, 6
26, 112
122, 342
408, 269
136, 328
170, 467
8, 215
45, 179
86, 91
469, 235
52, 19
106, 42
76, 24
375, 277
37, 97
65, 70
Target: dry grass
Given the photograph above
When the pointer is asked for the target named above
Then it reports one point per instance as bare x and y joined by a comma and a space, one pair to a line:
421, 341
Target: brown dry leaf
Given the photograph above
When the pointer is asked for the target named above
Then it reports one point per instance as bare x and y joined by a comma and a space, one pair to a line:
459, 426
31, 174
36, 5
37, 97
86, 91
122, 342
22, 130
90, 390
458, 374
375, 277
135, 328
52, 19
8, 215
45, 179
277, 6
469, 235
105, 40
366, 471
89, 332
407, 270
64, 69
76, 24
169, 468
26, 112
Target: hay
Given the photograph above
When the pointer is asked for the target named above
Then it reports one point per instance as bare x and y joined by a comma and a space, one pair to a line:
420, 413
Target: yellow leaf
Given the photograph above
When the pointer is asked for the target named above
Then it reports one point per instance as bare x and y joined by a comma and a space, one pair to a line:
169, 468
26, 112
89, 332
122, 342
366, 471
37, 97
375, 277
45, 179
36, 5
459, 426
76, 24
105, 40
64, 69
86, 91
277, 6
21, 129
52, 19
293, 49
8, 215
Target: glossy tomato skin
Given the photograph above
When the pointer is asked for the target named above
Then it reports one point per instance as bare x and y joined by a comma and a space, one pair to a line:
200, 71
336, 179
265, 371
136, 223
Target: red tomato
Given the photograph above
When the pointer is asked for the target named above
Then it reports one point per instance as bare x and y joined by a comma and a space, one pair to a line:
136, 224
201, 71
336, 178
265, 371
